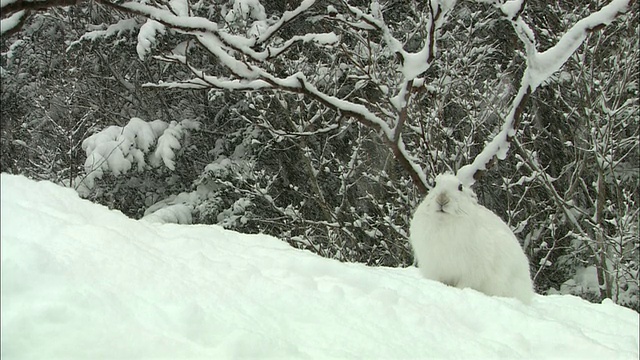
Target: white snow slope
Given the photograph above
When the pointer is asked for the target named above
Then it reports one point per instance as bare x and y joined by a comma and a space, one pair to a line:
82, 282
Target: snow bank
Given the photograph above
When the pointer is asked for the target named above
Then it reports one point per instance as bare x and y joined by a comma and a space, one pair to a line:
81, 281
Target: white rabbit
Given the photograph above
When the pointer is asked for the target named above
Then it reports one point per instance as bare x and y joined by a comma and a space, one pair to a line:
463, 244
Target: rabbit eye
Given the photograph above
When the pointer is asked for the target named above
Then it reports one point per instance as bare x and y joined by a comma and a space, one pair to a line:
460, 187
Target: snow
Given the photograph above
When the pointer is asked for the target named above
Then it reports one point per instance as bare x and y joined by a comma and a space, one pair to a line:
499, 145
176, 209
511, 8
174, 214
180, 7
246, 9
215, 46
286, 17
545, 64
540, 67
11, 22
167, 143
117, 148
81, 281
115, 154
4, 3
147, 37
119, 28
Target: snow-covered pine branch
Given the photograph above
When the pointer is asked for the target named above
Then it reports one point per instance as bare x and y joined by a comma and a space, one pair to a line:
169, 142
176, 209
117, 149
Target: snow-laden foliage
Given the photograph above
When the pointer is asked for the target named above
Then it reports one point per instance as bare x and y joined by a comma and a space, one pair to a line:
117, 149
147, 37
175, 209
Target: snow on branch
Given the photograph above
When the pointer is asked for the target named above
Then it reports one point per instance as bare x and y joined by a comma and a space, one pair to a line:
241, 54
13, 23
15, 12
287, 17
147, 37
116, 149
9, 7
499, 146
326, 39
204, 81
540, 66
546, 63
411, 66
298, 83
117, 29
215, 39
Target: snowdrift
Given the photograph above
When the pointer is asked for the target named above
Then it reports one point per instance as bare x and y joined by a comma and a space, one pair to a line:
81, 281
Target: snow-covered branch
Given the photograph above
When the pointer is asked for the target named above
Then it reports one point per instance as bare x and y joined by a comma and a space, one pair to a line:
287, 17
16, 12
545, 63
10, 7
250, 76
249, 58
13, 22
540, 66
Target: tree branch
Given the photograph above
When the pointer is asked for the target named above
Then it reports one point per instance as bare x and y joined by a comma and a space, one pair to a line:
10, 7
540, 66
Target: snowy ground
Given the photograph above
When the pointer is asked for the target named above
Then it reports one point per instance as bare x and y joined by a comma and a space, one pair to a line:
81, 281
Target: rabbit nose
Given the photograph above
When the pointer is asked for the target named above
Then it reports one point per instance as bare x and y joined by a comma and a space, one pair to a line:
442, 199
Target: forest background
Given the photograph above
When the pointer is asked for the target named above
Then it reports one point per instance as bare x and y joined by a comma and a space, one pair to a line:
316, 123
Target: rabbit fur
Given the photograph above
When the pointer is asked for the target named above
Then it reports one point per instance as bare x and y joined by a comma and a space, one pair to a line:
461, 243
